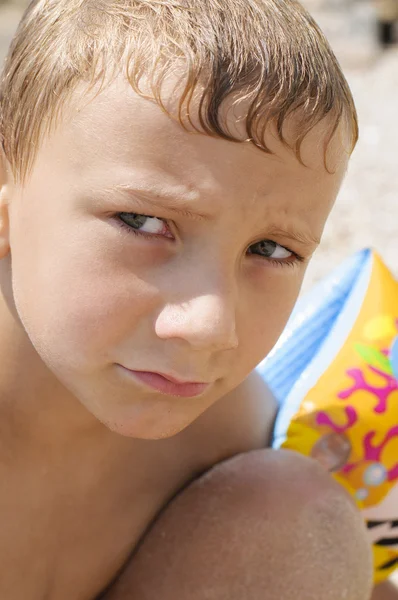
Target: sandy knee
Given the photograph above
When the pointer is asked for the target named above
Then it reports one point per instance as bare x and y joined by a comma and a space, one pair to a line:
267, 520
274, 487
297, 512
272, 475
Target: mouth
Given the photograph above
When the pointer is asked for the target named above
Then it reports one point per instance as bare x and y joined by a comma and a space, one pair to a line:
167, 384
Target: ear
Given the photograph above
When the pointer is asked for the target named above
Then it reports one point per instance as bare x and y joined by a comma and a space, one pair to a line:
5, 186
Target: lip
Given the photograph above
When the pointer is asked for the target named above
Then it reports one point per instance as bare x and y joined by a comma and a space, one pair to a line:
167, 384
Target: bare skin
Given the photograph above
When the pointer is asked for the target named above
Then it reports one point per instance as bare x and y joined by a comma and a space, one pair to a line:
85, 516
90, 454
265, 524
386, 591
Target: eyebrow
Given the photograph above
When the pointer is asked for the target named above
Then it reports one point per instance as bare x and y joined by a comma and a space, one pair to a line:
295, 235
174, 200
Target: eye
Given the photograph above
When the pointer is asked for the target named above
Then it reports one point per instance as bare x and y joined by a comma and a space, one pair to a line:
145, 224
272, 250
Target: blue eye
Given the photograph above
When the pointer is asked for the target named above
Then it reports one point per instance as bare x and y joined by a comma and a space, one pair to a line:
149, 226
270, 249
133, 220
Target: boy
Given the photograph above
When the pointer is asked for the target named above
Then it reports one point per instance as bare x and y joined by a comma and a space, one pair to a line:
167, 171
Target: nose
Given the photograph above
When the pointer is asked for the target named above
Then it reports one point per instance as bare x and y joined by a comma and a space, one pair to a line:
207, 321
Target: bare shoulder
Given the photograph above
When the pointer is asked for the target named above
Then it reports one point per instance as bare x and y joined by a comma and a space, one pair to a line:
241, 421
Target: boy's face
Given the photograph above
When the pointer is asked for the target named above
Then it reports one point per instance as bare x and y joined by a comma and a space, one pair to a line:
137, 246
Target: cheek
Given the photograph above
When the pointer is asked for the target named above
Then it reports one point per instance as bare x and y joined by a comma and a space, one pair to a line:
77, 303
267, 312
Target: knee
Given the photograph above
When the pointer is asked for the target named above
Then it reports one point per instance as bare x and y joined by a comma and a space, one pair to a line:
269, 524
308, 532
289, 484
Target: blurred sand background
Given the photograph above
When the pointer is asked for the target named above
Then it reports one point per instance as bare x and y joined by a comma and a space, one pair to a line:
366, 213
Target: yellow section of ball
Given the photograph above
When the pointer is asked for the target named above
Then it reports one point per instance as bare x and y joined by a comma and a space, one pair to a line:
382, 326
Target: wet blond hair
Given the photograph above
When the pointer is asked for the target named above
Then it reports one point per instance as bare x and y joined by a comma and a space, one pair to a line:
269, 53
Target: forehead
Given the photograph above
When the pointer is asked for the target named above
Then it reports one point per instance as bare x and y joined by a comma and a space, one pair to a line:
119, 136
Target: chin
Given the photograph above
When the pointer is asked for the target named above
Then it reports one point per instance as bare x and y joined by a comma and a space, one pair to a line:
136, 429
